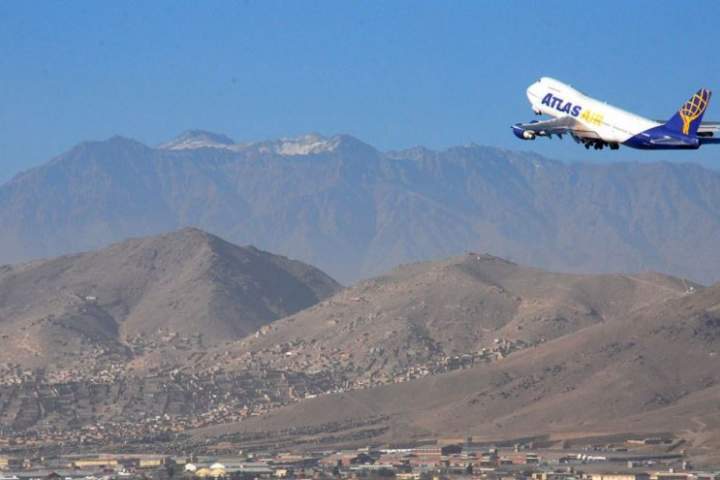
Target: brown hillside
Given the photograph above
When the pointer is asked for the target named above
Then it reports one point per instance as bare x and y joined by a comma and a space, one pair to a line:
656, 370
424, 318
183, 286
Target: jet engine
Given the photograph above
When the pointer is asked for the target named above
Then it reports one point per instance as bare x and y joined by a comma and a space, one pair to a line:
523, 134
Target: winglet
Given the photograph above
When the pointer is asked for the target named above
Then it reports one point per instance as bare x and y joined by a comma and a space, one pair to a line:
688, 118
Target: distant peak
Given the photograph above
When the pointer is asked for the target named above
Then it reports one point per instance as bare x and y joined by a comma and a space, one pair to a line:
194, 139
348, 141
308, 144
121, 139
413, 153
116, 140
96, 147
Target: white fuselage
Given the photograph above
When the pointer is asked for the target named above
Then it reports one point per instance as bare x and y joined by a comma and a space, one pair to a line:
597, 120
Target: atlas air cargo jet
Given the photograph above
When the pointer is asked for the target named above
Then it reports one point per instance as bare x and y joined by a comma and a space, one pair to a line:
596, 124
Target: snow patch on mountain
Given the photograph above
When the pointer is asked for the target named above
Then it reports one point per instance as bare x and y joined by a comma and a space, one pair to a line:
194, 139
309, 144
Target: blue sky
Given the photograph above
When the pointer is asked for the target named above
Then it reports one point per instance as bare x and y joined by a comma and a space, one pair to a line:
394, 74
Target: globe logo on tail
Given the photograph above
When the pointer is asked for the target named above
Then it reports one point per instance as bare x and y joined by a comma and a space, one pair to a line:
693, 109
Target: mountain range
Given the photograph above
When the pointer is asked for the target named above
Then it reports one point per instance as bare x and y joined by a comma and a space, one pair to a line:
190, 340
356, 212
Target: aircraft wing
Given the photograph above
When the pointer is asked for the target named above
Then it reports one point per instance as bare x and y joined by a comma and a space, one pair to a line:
709, 129
556, 126
548, 128
580, 132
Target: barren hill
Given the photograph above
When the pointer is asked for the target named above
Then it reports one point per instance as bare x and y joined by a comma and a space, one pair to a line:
430, 317
187, 286
652, 371
469, 345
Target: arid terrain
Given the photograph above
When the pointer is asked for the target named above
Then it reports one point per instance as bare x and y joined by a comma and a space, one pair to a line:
184, 340
652, 372
180, 291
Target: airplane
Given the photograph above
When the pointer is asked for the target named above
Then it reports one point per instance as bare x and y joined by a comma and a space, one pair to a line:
596, 124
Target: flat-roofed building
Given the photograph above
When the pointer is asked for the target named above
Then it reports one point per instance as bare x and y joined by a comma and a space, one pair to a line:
99, 463
408, 476
620, 476
670, 476
155, 462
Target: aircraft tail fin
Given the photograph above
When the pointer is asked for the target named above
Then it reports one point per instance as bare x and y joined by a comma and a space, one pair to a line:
688, 118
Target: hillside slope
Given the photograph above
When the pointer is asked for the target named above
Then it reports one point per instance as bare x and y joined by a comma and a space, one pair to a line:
434, 316
186, 287
654, 371
150, 329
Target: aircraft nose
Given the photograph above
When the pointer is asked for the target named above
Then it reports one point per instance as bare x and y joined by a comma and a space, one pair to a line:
532, 92
532, 89
534, 95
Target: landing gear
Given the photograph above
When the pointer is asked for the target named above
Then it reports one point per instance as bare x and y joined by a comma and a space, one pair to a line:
593, 143
599, 144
